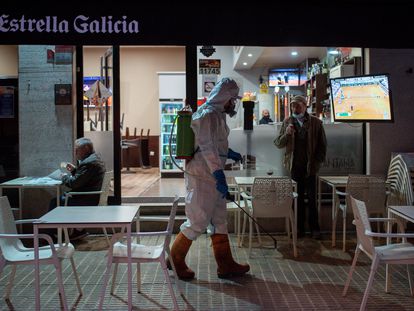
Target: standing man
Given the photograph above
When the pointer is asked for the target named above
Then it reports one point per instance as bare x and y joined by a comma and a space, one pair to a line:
206, 183
303, 136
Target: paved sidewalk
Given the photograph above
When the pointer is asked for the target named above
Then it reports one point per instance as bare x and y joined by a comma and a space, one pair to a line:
313, 281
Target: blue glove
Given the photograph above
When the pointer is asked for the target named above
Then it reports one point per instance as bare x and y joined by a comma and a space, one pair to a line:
235, 156
221, 184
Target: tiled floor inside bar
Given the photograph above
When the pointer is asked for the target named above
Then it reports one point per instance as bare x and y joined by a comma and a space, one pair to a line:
277, 281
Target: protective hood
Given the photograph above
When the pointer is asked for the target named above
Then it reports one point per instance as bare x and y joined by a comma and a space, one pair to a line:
225, 90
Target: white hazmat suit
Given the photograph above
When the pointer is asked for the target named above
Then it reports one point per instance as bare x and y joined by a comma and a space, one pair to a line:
205, 205
206, 184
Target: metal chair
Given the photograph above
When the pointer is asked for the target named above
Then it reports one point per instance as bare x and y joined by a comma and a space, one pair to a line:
367, 188
272, 197
14, 253
143, 254
398, 253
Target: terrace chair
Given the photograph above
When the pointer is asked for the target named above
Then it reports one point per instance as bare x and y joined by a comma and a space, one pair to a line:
14, 253
398, 253
103, 196
368, 188
143, 254
271, 197
232, 207
399, 181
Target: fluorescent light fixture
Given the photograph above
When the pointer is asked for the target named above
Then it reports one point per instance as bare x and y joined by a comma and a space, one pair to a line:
250, 54
245, 64
333, 52
294, 53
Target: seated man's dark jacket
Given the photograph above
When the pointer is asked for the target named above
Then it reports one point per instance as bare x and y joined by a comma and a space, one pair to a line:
87, 176
265, 120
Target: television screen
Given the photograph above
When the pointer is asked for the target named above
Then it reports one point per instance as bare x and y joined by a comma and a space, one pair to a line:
286, 77
362, 98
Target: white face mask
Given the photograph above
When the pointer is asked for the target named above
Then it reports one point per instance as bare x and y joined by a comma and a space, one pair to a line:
232, 109
298, 116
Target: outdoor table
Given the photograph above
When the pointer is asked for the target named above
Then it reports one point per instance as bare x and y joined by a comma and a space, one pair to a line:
86, 217
22, 183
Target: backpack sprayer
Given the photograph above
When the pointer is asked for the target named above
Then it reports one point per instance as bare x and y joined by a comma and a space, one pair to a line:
185, 151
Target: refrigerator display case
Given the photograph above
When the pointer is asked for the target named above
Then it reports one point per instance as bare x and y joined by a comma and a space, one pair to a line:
171, 99
168, 113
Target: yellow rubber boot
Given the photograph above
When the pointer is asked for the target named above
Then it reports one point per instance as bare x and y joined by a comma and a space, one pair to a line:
227, 267
179, 250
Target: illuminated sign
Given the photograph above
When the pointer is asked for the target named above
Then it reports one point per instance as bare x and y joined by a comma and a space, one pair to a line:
80, 24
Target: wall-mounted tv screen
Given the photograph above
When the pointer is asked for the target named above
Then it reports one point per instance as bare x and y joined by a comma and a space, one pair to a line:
286, 77
362, 98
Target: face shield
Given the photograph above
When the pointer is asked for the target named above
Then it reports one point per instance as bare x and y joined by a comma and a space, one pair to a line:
232, 106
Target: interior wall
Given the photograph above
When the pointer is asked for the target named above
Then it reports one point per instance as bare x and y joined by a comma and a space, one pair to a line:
139, 84
45, 129
92, 60
247, 80
386, 138
10, 66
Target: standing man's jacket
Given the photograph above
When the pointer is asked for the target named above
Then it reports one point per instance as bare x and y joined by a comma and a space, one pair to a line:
316, 140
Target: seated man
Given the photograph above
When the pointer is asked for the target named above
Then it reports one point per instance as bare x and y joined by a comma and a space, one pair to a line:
87, 175
265, 117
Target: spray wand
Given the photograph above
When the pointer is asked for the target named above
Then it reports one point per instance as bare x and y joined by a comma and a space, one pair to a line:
230, 198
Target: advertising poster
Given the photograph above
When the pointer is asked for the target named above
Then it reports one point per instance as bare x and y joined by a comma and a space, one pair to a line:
6, 102
208, 83
209, 66
63, 54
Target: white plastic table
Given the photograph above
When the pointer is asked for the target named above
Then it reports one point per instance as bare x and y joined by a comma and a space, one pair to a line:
405, 212
30, 182
86, 217
334, 182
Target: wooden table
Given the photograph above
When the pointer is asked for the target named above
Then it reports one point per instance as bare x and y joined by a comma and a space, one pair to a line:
334, 182
86, 217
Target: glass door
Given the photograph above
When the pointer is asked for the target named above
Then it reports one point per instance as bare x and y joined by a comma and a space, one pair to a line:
98, 104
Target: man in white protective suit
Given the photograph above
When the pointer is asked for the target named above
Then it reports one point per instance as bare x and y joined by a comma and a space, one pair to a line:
206, 183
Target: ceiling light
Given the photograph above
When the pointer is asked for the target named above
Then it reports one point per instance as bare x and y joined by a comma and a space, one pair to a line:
333, 52
245, 64
250, 54
294, 53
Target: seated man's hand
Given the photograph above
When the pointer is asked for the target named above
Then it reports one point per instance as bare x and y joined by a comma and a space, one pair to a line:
70, 167
235, 156
221, 183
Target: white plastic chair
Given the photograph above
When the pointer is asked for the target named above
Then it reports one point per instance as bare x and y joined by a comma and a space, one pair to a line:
272, 197
103, 196
14, 253
367, 188
233, 208
398, 253
143, 254
400, 184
